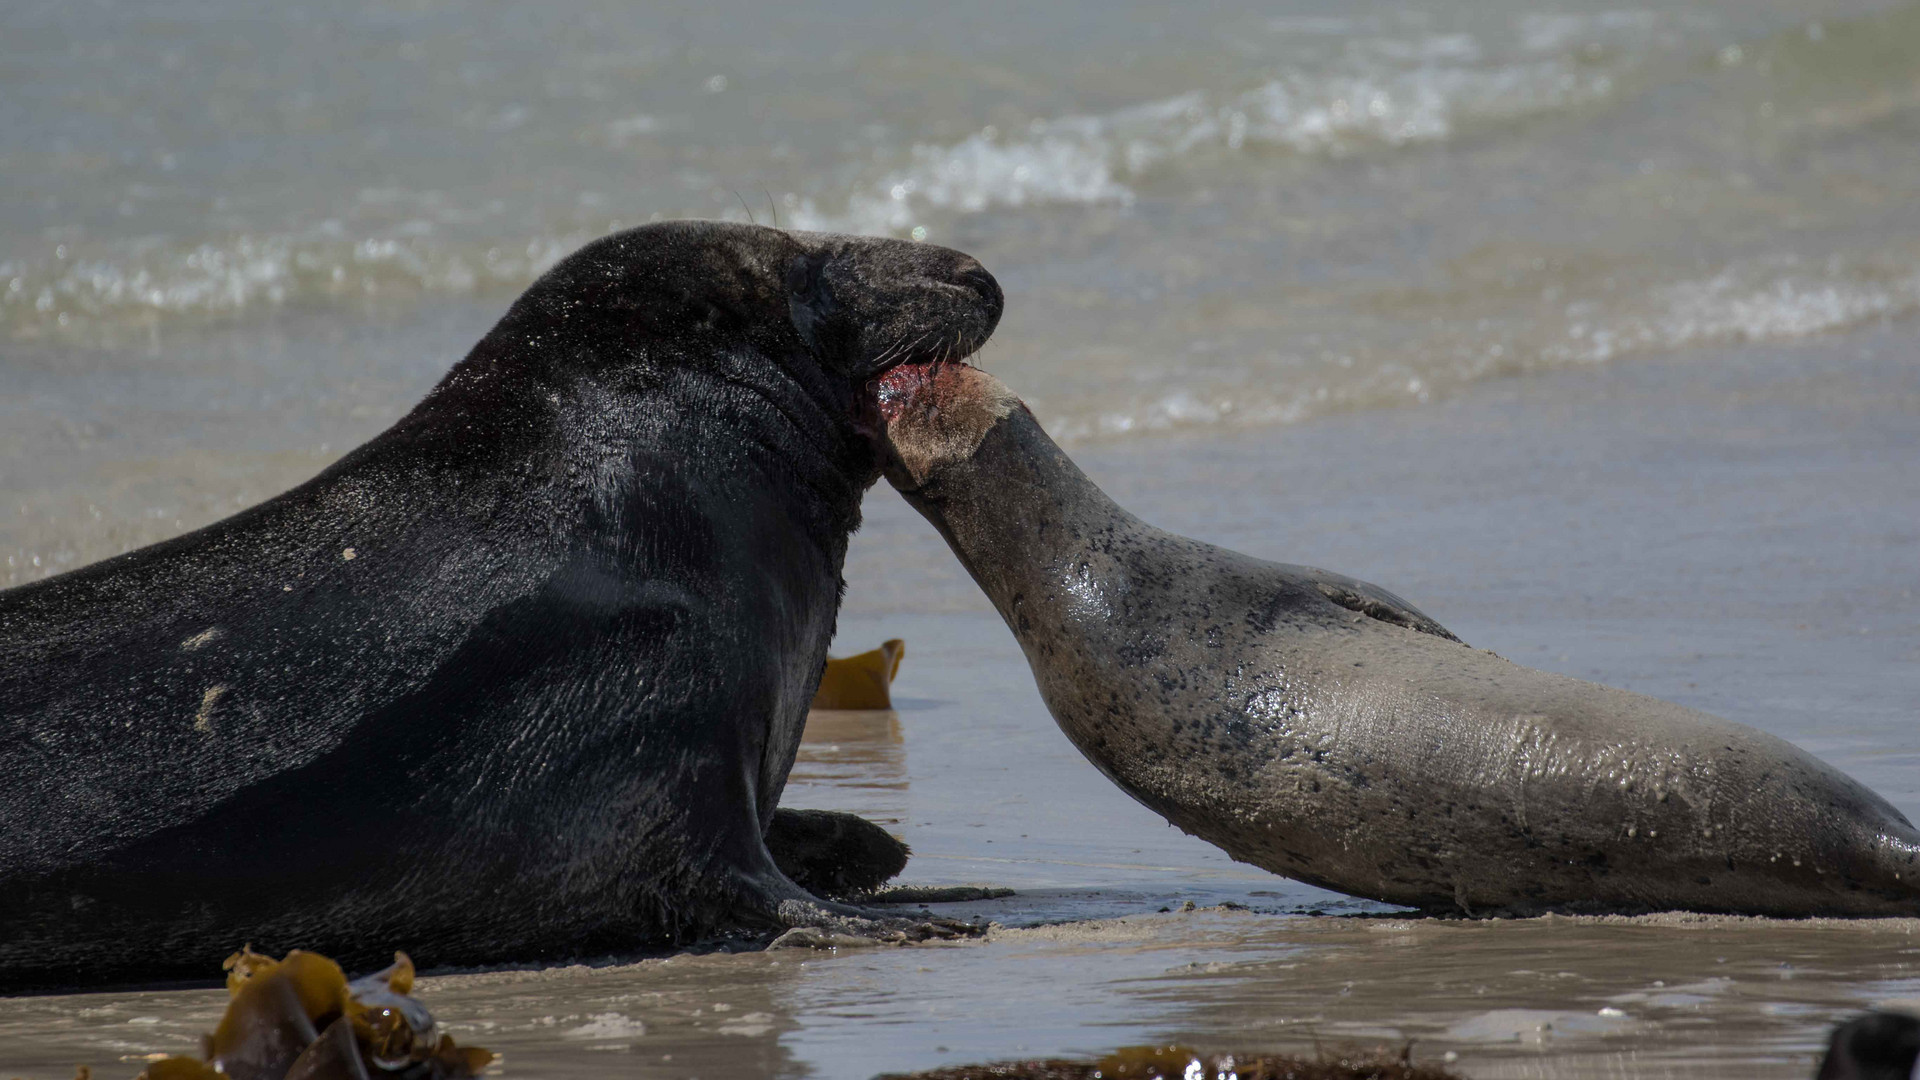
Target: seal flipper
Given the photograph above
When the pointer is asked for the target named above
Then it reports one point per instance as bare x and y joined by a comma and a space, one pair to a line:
770, 900
760, 893
1373, 601
829, 853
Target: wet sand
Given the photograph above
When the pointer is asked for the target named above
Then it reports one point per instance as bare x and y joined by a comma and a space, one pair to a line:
1734, 530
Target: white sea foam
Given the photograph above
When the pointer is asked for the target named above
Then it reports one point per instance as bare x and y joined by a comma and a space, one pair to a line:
1379, 90
1395, 362
139, 281
1767, 300
609, 1025
1389, 92
1063, 161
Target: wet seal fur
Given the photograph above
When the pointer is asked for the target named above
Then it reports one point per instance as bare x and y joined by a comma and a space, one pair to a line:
521, 679
1324, 729
834, 854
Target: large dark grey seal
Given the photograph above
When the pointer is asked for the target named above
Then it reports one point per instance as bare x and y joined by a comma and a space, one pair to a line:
1322, 728
519, 679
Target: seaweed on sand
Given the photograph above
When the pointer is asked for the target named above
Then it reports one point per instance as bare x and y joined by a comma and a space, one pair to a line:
1183, 1063
298, 1018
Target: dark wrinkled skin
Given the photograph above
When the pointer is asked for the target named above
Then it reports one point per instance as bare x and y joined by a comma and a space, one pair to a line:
547, 707
1323, 729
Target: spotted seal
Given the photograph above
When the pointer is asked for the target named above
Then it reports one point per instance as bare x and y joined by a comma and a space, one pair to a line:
1324, 729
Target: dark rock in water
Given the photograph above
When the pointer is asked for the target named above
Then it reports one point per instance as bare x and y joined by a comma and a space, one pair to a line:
834, 854
1175, 1062
1877, 1046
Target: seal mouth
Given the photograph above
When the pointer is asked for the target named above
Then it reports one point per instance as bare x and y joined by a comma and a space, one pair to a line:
895, 381
936, 417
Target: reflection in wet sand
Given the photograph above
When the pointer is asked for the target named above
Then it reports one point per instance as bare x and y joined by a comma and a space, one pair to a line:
1572, 999
715, 1016
838, 737
862, 749
1674, 995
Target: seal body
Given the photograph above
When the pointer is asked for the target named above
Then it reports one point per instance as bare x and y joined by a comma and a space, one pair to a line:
1324, 729
519, 679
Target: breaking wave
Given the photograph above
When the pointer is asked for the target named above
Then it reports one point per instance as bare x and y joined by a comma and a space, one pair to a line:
78, 286
1378, 91
1765, 300
1095, 159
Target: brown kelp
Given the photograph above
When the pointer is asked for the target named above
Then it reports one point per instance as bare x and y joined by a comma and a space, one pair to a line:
862, 681
1178, 1062
298, 1018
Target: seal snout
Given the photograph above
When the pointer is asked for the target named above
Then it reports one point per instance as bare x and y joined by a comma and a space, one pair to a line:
926, 310
951, 316
992, 301
921, 304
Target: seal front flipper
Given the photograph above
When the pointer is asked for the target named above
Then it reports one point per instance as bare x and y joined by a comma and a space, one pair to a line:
829, 853
769, 900
812, 930
1372, 601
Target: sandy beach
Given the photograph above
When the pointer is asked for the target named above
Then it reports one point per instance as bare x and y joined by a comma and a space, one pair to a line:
1734, 531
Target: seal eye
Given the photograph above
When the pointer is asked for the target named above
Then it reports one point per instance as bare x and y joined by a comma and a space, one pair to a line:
803, 279
809, 301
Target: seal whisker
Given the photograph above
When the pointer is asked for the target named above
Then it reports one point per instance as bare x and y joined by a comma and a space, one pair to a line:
898, 351
894, 350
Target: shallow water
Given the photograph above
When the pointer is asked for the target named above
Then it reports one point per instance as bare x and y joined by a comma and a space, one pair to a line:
1734, 532
1533, 999
1596, 322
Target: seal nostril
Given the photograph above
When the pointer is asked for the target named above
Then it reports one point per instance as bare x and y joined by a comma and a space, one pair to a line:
976, 277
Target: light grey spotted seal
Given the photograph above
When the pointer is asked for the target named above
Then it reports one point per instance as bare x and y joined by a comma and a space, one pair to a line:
1324, 729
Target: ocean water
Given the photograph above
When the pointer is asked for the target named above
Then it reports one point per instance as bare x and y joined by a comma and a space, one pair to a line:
1215, 215
236, 239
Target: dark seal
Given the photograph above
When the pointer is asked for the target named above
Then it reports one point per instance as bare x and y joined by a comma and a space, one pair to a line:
1324, 729
520, 679
1878, 1046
